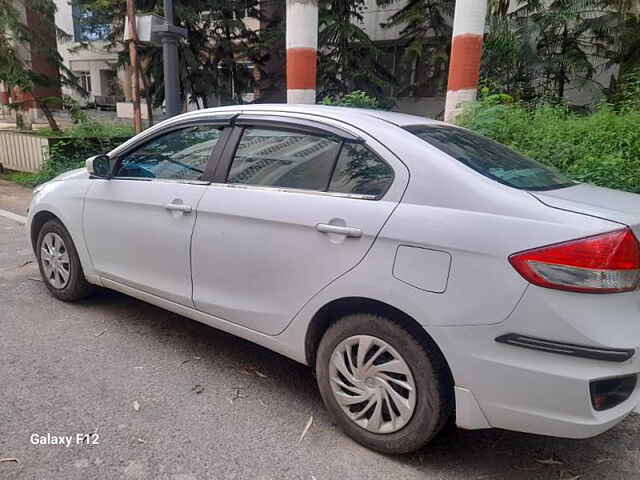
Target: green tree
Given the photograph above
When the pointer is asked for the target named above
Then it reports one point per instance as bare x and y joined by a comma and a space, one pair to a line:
536, 48
426, 39
347, 58
19, 44
621, 45
567, 34
212, 59
510, 60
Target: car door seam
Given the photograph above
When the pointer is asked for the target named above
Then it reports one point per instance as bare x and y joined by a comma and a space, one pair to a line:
366, 253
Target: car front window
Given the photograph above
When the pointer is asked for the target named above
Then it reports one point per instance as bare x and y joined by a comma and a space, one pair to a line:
490, 158
178, 155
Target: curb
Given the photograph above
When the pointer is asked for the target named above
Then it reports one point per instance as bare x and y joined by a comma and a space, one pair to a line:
13, 216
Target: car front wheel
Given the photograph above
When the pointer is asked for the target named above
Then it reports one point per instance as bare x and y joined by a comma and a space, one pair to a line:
386, 389
59, 263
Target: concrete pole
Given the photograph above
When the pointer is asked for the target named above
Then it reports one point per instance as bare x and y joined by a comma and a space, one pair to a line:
170, 60
133, 57
466, 51
302, 47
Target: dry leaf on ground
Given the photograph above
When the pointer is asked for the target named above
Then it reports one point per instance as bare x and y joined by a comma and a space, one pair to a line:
306, 428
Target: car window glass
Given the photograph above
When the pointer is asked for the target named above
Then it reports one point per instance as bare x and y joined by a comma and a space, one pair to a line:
360, 171
178, 155
491, 159
279, 158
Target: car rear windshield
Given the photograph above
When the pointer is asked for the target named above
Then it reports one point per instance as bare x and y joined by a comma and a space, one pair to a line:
490, 158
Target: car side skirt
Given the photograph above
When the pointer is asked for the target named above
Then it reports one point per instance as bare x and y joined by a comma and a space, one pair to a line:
276, 344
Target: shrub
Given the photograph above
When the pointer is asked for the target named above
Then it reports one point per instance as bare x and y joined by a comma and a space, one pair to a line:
90, 129
75, 110
70, 148
626, 95
355, 99
72, 152
602, 148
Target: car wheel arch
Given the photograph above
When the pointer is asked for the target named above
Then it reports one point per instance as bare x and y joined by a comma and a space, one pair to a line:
339, 308
39, 219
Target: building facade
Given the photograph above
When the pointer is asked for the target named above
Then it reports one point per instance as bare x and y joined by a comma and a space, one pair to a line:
90, 59
33, 55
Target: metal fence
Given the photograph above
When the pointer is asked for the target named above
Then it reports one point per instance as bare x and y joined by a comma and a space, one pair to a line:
23, 152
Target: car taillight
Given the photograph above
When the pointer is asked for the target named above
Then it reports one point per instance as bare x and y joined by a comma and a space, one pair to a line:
605, 263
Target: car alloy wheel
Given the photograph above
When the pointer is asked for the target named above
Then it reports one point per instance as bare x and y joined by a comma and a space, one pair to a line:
372, 383
55, 260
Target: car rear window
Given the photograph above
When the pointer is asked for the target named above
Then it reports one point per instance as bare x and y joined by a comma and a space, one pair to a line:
490, 158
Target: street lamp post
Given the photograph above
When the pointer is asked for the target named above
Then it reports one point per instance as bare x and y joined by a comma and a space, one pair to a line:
170, 35
135, 72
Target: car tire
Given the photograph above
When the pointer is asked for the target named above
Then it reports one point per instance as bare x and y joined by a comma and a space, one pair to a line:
413, 419
56, 253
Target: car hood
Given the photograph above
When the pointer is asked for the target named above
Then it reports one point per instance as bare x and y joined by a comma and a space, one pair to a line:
621, 207
76, 174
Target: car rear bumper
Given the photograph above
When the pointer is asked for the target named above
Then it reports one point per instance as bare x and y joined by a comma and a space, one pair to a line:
546, 392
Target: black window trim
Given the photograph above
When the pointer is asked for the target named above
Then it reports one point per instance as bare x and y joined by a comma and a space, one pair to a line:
301, 125
310, 127
214, 157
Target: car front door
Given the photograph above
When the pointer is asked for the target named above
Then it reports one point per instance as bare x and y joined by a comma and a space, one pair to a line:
138, 224
292, 208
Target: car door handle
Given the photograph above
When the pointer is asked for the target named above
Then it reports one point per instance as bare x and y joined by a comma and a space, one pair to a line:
178, 207
340, 230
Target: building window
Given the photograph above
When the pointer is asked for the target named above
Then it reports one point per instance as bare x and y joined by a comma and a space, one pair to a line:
84, 79
89, 26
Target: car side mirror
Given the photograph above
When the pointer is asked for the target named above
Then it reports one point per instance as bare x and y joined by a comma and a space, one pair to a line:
99, 166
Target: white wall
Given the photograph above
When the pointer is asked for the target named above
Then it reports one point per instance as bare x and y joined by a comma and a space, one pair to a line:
92, 59
375, 15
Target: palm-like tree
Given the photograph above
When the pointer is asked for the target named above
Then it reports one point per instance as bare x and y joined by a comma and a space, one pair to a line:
567, 35
620, 34
347, 58
552, 43
425, 36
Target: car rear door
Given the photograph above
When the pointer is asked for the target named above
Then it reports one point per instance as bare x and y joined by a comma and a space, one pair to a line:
294, 205
138, 224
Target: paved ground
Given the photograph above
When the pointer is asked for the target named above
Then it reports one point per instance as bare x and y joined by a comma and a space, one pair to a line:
14, 198
173, 399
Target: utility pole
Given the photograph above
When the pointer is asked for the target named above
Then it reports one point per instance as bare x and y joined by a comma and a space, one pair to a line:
466, 51
302, 47
170, 35
135, 77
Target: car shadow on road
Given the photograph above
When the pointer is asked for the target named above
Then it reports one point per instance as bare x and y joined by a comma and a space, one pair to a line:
455, 453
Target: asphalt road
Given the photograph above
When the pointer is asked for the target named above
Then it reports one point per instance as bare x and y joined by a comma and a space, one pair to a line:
173, 399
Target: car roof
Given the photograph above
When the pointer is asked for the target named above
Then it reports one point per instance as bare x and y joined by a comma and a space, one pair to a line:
348, 114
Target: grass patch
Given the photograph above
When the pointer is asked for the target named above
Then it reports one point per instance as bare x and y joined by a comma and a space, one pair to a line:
70, 148
89, 129
25, 179
602, 148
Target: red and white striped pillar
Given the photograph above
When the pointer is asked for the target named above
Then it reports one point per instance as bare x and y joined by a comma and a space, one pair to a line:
302, 45
466, 51
4, 94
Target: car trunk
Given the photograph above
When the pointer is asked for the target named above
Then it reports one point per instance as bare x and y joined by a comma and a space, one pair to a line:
621, 207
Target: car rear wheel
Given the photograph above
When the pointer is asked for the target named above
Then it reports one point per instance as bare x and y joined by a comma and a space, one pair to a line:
59, 263
386, 389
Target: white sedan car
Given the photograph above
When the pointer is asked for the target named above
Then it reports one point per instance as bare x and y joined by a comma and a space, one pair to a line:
424, 272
